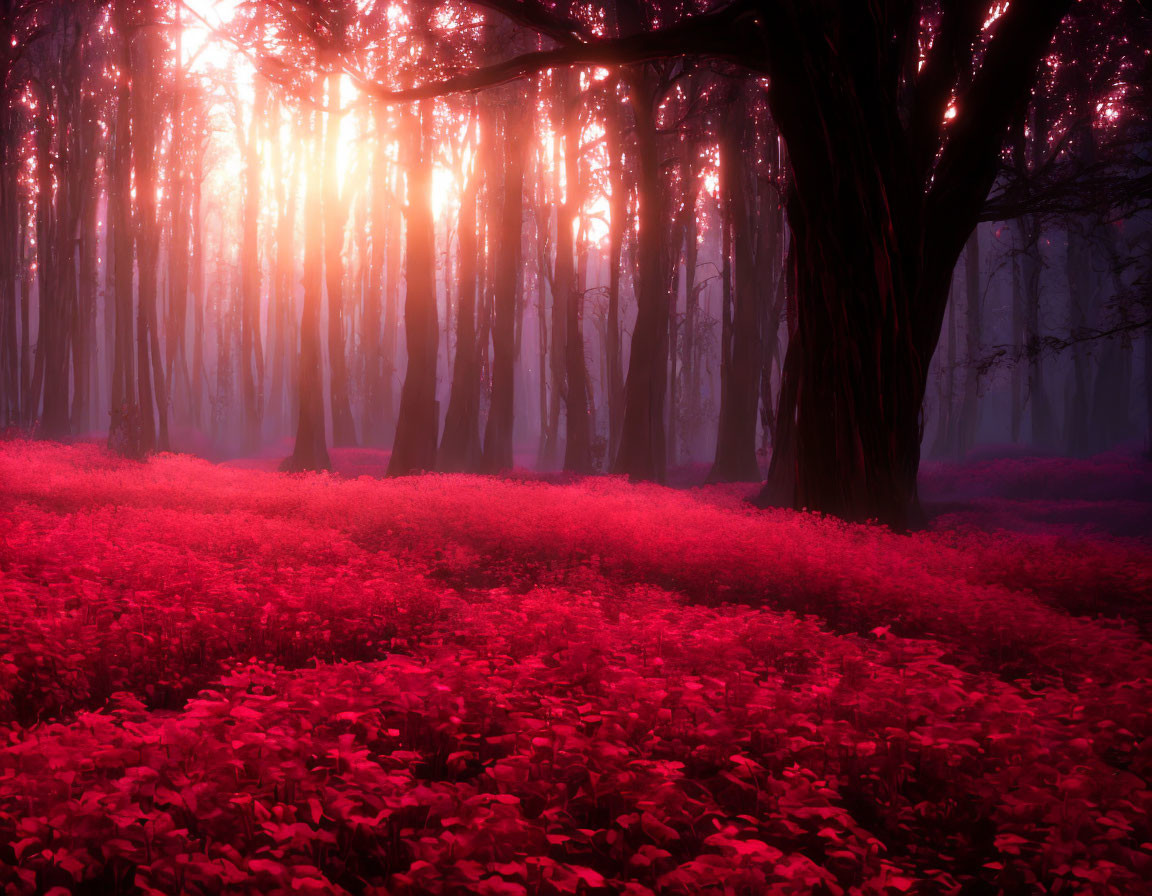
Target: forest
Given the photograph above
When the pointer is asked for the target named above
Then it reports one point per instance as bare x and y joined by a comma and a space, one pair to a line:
575, 447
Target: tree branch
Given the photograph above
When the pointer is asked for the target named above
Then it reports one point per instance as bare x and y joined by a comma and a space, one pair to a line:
950, 56
1000, 89
716, 35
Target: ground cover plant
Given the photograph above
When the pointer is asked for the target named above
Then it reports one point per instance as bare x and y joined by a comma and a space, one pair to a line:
222, 679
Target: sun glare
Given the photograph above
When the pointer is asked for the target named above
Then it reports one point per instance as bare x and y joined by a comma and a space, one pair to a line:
230, 75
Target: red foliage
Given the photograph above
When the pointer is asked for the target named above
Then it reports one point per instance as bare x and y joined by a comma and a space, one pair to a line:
216, 679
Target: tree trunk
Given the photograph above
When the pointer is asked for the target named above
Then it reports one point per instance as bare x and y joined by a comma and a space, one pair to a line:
123, 387
943, 444
372, 334
53, 273
969, 421
335, 217
568, 295
251, 347
414, 449
559, 336
146, 128
498, 454
460, 448
618, 213
311, 449
282, 343
1031, 267
10, 226
741, 352
642, 453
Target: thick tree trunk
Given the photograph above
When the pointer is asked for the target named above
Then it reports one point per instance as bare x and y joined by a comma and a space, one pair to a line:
414, 449
742, 347
498, 432
642, 453
122, 247
460, 447
311, 449
858, 399
879, 212
577, 439
146, 128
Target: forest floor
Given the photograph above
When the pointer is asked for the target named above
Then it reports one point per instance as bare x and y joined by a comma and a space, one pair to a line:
215, 678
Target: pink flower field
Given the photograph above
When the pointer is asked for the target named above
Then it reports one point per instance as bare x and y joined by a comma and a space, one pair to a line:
222, 679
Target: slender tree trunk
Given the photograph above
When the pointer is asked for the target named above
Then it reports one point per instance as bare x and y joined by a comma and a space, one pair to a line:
48, 314
943, 444
199, 296
1031, 267
393, 246
374, 431
969, 421
559, 335
542, 322
24, 258
689, 412
618, 214
10, 226
335, 216
9, 245
84, 376
770, 264
1017, 384
1078, 440
281, 345
251, 345
176, 322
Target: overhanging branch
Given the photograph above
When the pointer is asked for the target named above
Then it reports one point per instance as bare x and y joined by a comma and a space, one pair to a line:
716, 35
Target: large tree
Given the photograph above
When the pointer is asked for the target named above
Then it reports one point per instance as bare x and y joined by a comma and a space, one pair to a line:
894, 114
